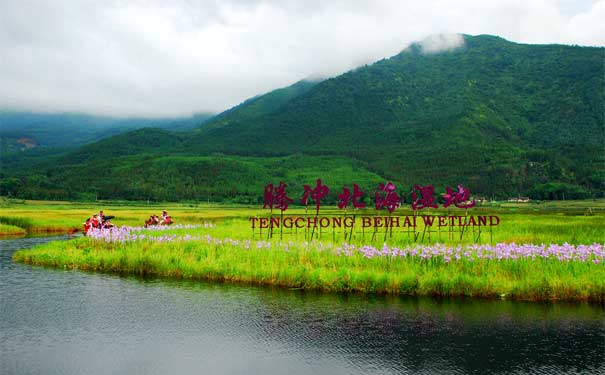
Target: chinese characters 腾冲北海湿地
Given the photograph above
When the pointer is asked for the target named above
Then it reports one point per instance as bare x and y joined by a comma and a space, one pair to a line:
385, 196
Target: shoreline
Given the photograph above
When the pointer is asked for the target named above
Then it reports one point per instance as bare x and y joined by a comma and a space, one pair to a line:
268, 284
38, 230
324, 272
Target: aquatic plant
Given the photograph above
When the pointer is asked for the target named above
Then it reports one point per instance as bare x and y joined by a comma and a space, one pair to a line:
447, 253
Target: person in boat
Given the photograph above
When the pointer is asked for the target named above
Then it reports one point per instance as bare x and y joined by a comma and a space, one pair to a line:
107, 224
87, 226
153, 220
96, 223
91, 222
104, 219
166, 219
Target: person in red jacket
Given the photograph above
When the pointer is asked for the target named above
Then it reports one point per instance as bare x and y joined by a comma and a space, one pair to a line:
95, 221
165, 217
87, 225
92, 222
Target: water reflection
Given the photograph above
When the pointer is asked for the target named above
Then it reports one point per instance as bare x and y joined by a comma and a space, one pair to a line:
56, 321
415, 335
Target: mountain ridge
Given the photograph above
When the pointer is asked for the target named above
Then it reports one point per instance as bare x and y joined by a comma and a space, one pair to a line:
501, 118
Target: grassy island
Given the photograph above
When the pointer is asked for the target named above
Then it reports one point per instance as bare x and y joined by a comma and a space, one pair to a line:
537, 257
339, 268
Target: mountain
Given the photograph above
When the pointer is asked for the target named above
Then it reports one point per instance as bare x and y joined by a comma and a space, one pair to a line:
501, 118
161, 177
497, 116
161, 140
262, 104
23, 130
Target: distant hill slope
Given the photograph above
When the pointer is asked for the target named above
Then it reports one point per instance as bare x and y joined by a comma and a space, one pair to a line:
261, 105
501, 118
23, 130
158, 177
162, 141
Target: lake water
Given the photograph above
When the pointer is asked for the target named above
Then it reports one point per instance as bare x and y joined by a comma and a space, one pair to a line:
70, 322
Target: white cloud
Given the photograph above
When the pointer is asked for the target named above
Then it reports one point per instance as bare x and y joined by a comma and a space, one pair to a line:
441, 42
158, 58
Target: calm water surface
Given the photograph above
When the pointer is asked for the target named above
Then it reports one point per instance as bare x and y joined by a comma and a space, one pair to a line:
70, 322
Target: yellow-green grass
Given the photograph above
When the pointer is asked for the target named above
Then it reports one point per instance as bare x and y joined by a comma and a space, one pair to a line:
11, 230
42, 216
577, 222
539, 279
311, 266
544, 226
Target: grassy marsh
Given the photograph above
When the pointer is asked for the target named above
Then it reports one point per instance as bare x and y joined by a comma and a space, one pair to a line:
216, 252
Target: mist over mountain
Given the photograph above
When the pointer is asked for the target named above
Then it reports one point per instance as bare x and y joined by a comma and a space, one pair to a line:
501, 118
26, 130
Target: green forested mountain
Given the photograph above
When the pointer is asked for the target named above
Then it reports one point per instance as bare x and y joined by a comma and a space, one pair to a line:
172, 177
262, 105
498, 117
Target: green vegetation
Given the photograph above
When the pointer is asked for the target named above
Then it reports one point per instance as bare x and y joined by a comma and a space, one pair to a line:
261, 105
231, 179
501, 118
44, 216
319, 266
294, 262
11, 230
575, 222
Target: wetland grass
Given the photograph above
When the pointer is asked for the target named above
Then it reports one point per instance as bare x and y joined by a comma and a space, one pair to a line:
226, 251
223, 252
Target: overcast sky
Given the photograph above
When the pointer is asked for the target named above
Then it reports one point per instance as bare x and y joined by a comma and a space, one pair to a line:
171, 58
